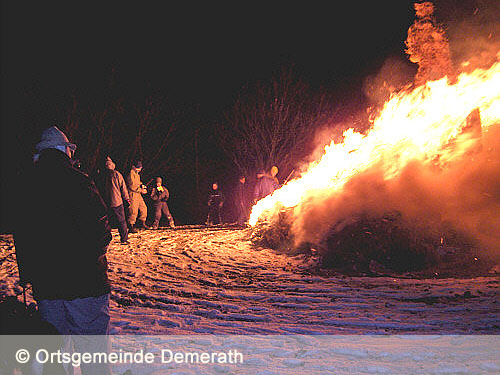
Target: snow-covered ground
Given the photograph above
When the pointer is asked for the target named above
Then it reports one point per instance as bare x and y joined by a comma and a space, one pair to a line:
212, 281
201, 290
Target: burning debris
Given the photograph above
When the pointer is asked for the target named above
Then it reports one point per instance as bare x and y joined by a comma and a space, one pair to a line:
427, 46
432, 156
389, 245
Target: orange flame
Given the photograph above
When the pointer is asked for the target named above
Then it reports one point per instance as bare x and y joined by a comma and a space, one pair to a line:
414, 125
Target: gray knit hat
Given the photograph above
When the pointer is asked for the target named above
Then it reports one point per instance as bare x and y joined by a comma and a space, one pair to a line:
53, 137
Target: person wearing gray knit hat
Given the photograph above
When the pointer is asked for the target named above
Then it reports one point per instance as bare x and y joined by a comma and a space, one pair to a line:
54, 138
61, 250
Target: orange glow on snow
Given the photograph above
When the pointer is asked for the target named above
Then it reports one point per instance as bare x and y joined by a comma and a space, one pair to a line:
416, 125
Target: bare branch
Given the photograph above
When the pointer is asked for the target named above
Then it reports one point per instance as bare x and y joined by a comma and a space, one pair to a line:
272, 123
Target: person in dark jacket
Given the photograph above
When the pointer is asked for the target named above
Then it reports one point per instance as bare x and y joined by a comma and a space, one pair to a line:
215, 203
160, 196
266, 184
115, 194
240, 201
61, 250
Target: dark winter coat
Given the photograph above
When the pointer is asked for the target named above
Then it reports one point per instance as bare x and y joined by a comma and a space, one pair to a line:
159, 196
61, 244
215, 198
240, 195
265, 186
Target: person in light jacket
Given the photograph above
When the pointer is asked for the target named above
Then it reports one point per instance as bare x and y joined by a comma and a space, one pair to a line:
266, 184
138, 209
115, 194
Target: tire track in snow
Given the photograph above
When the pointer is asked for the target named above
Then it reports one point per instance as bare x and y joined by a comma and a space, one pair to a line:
203, 281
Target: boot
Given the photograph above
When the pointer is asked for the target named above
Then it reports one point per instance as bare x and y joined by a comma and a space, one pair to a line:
143, 225
131, 229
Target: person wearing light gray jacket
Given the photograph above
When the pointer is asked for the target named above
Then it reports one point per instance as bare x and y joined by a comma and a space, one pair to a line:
115, 194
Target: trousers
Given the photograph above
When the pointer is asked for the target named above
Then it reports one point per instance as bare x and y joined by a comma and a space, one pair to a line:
242, 214
119, 215
214, 215
161, 208
137, 210
78, 318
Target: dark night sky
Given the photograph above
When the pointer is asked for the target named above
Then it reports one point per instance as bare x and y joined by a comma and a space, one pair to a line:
200, 54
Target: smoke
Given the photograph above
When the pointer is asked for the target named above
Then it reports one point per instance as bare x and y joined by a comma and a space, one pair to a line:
464, 196
473, 31
437, 197
394, 74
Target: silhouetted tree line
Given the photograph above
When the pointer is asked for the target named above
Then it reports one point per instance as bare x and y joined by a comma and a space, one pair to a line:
274, 123
270, 123
128, 131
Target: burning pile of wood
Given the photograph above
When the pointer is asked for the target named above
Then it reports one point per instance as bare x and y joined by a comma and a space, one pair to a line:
274, 232
417, 192
387, 245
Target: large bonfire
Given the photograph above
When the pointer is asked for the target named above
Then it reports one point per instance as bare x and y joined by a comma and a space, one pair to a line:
431, 155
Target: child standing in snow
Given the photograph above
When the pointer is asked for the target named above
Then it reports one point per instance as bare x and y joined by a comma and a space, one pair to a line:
160, 195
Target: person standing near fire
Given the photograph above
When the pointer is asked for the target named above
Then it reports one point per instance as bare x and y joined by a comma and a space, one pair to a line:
266, 184
241, 202
160, 196
138, 211
215, 203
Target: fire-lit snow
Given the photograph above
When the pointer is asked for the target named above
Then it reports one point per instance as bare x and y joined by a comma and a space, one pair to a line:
194, 281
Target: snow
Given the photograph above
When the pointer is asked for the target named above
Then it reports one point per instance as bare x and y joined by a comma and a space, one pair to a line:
215, 287
213, 281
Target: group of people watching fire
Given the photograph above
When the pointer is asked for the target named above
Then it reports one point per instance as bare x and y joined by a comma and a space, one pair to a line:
119, 194
61, 251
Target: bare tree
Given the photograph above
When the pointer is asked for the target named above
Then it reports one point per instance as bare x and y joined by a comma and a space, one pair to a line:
154, 140
149, 136
92, 130
273, 124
